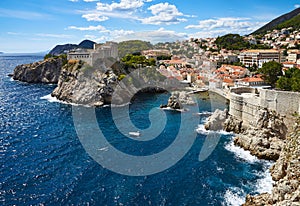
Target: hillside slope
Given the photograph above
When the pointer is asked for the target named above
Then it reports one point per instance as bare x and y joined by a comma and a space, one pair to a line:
62, 49
285, 20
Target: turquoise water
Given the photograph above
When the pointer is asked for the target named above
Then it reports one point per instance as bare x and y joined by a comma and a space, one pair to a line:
43, 161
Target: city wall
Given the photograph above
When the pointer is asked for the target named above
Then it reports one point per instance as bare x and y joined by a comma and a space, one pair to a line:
245, 103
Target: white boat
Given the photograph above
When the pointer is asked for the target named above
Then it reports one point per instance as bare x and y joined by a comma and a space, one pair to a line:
135, 134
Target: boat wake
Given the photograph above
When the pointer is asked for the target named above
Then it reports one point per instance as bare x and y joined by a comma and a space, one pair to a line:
171, 109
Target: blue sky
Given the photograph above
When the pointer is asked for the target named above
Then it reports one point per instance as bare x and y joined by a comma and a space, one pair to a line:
39, 25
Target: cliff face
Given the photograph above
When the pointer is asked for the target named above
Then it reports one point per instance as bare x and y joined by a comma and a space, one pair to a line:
265, 139
81, 84
46, 71
285, 173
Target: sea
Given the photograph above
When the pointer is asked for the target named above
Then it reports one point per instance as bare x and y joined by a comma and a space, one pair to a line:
43, 160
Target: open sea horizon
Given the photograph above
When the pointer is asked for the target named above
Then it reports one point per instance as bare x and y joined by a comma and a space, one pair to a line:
43, 161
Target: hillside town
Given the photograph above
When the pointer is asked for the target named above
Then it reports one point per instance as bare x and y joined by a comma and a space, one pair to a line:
202, 63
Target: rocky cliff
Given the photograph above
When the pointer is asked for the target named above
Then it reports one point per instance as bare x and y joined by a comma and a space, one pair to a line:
265, 138
217, 120
268, 139
46, 71
285, 173
80, 83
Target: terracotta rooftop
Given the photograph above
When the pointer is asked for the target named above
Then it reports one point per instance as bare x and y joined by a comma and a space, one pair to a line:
261, 51
252, 79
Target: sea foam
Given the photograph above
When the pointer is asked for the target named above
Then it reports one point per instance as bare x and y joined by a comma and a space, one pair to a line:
240, 153
52, 99
201, 130
236, 196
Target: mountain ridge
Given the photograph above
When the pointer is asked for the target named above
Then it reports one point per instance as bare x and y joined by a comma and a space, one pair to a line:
278, 21
62, 49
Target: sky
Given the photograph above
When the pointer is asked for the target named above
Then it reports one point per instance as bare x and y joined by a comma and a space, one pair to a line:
39, 25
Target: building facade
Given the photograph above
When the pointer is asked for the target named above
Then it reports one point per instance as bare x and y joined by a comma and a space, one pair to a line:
100, 51
249, 58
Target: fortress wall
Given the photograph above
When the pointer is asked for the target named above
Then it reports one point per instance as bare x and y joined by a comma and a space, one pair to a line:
245, 103
284, 103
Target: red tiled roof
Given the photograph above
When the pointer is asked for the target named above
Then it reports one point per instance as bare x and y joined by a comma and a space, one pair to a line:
252, 79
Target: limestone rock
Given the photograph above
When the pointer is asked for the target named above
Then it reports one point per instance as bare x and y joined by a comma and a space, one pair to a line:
80, 83
265, 139
178, 99
216, 120
46, 71
232, 124
285, 173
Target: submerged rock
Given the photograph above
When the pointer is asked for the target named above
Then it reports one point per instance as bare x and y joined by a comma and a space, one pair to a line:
46, 71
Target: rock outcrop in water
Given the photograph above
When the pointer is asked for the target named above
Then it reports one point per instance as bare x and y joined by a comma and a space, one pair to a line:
216, 121
178, 99
46, 71
285, 173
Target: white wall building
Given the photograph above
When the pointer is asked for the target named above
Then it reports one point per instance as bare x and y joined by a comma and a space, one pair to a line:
100, 51
258, 57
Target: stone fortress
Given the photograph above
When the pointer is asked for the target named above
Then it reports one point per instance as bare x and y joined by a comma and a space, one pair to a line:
100, 51
246, 102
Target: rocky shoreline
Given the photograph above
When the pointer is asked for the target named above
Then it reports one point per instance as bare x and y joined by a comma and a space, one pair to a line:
177, 101
286, 174
79, 83
47, 71
268, 139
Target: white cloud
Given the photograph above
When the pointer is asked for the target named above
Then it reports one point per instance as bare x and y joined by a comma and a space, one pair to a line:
95, 17
15, 33
297, 6
221, 26
164, 13
90, 0
227, 22
104, 34
27, 15
89, 28
64, 36
160, 35
125, 5
73, 0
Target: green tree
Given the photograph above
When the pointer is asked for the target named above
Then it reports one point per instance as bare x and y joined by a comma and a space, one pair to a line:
136, 61
271, 71
296, 81
47, 56
284, 83
232, 42
291, 80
